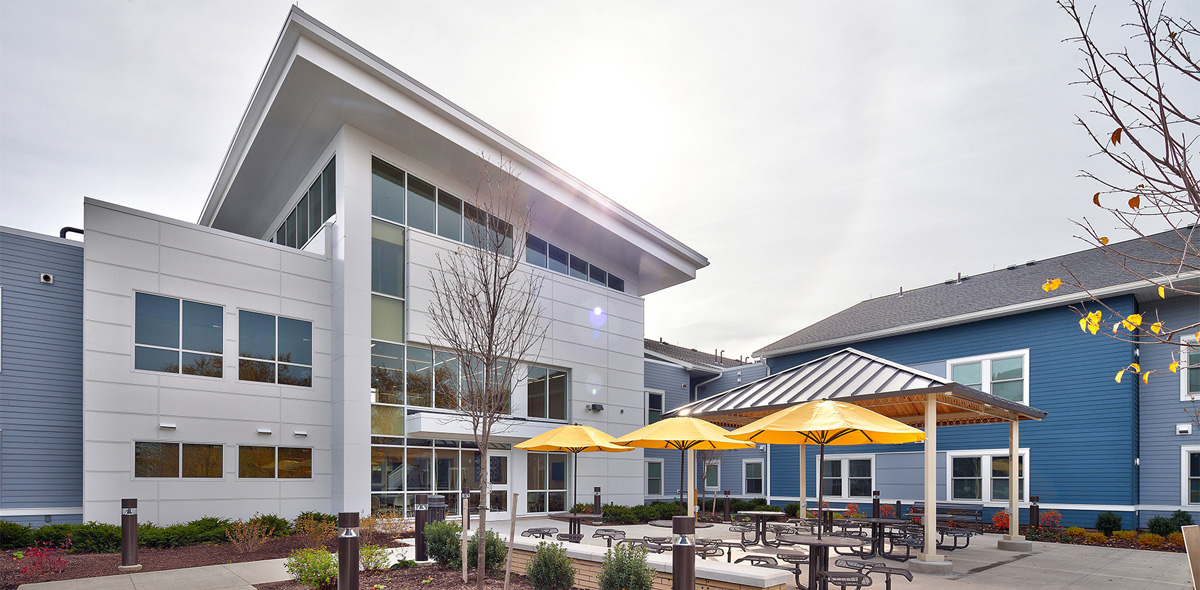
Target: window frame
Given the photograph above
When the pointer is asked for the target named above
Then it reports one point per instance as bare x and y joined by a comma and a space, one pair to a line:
646, 478
762, 477
1183, 368
845, 475
275, 361
546, 405
178, 460
706, 472
179, 349
662, 405
276, 477
985, 472
1185, 452
985, 361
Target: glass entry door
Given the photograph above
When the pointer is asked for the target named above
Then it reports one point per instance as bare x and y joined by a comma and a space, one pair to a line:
499, 488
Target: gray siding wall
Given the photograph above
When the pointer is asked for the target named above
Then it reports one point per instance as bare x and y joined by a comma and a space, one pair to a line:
1161, 450
731, 378
41, 378
673, 381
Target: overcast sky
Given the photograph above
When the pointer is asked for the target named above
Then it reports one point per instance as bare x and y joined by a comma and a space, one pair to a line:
818, 153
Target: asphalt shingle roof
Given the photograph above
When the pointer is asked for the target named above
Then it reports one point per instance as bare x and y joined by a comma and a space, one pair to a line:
1012, 286
691, 355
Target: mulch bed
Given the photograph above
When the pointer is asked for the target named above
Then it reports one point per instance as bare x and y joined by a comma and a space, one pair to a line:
90, 565
423, 577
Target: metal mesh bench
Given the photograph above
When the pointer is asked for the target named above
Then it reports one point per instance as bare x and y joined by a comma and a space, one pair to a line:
540, 532
875, 567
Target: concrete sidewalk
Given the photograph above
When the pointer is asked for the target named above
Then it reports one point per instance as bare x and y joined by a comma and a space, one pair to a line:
1052, 566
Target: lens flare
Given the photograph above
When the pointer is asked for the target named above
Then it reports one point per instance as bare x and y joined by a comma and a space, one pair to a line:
598, 318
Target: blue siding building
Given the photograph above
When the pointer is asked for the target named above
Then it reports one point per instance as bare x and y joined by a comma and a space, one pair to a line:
1105, 445
680, 376
41, 378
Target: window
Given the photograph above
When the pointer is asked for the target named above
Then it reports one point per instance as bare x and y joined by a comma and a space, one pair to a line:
1002, 375
654, 478
159, 459
177, 336
848, 477
1189, 370
712, 474
315, 207
752, 477
1191, 475
274, 462
547, 482
538, 252
654, 406
547, 393
982, 476
274, 349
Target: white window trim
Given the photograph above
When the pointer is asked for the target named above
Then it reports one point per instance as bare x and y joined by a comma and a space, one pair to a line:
762, 476
985, 466
1184, 451
845, 474
986, 368
646, 413
1184, 396
704, 478
661, 478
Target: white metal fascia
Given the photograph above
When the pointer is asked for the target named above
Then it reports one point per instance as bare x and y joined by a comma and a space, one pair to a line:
976, 316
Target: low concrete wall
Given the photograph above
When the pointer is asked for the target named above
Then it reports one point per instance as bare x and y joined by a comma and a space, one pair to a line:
710, 575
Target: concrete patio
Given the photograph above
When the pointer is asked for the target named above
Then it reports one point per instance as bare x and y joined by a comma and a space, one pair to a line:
1051, 566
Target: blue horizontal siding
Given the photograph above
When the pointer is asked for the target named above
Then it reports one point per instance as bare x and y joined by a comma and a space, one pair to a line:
41, 376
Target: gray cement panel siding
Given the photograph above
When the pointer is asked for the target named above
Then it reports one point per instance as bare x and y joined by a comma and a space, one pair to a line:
1162, 471
129, 251
41, 378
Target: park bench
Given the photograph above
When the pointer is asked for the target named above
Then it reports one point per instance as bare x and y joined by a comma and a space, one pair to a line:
951, 513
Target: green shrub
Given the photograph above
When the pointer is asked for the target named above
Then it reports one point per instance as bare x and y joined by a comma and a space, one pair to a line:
550, 568
1180, 519
443, 542
1160, 525
1107, 522
1075, 531
319, 516
792, 509
207, 529
273, 525
618, 514
625, 568
312, 567
1150, 540
55, 534
644, 513
666, 510
494, 552
403, 564
15, 536
373, 557
95, 537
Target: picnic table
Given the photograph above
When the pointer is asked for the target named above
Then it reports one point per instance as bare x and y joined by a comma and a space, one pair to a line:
760, 523
878, 527
574, 529
818, 554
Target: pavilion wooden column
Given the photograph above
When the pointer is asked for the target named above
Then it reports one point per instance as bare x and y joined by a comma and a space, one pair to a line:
1014, 492
804, 482
930, 516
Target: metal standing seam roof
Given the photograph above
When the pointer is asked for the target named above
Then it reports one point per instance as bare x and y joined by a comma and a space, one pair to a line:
849, 375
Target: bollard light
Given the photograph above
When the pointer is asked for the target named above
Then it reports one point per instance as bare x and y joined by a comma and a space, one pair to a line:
875, 504
347, 551
129, 538
420, 518
683, 553
596, 508
1035, 514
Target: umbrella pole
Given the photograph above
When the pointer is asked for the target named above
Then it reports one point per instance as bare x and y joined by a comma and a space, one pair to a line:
575, 488
821, 493
682, 489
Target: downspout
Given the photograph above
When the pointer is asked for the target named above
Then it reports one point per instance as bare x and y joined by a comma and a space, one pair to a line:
695, 396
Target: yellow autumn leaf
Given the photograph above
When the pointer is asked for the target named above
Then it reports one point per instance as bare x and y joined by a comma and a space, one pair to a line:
1136, 368
1094, 316
1083, 324
1116, 136
1174, 366
1162, 292
1156, 327
1135, 202
1116, 327
1146, 378
1093, 328
1103, 241
1120, 374
1051, 284
1132, 321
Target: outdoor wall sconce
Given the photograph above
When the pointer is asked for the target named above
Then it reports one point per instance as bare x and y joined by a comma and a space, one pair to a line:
165, 426
264, 431
299, 433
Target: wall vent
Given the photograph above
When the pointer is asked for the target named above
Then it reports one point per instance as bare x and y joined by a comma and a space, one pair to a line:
47, 278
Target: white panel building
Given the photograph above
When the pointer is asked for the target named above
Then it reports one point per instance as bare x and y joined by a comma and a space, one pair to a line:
276, 358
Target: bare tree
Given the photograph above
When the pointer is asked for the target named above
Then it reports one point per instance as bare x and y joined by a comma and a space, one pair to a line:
486, 310
1144, 124
709, 460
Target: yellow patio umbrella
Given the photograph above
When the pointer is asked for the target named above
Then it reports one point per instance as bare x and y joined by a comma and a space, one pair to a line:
574, 439
827, 422
684, 433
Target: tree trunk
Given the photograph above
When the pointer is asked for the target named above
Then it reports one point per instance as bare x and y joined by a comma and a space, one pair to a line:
484, 478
